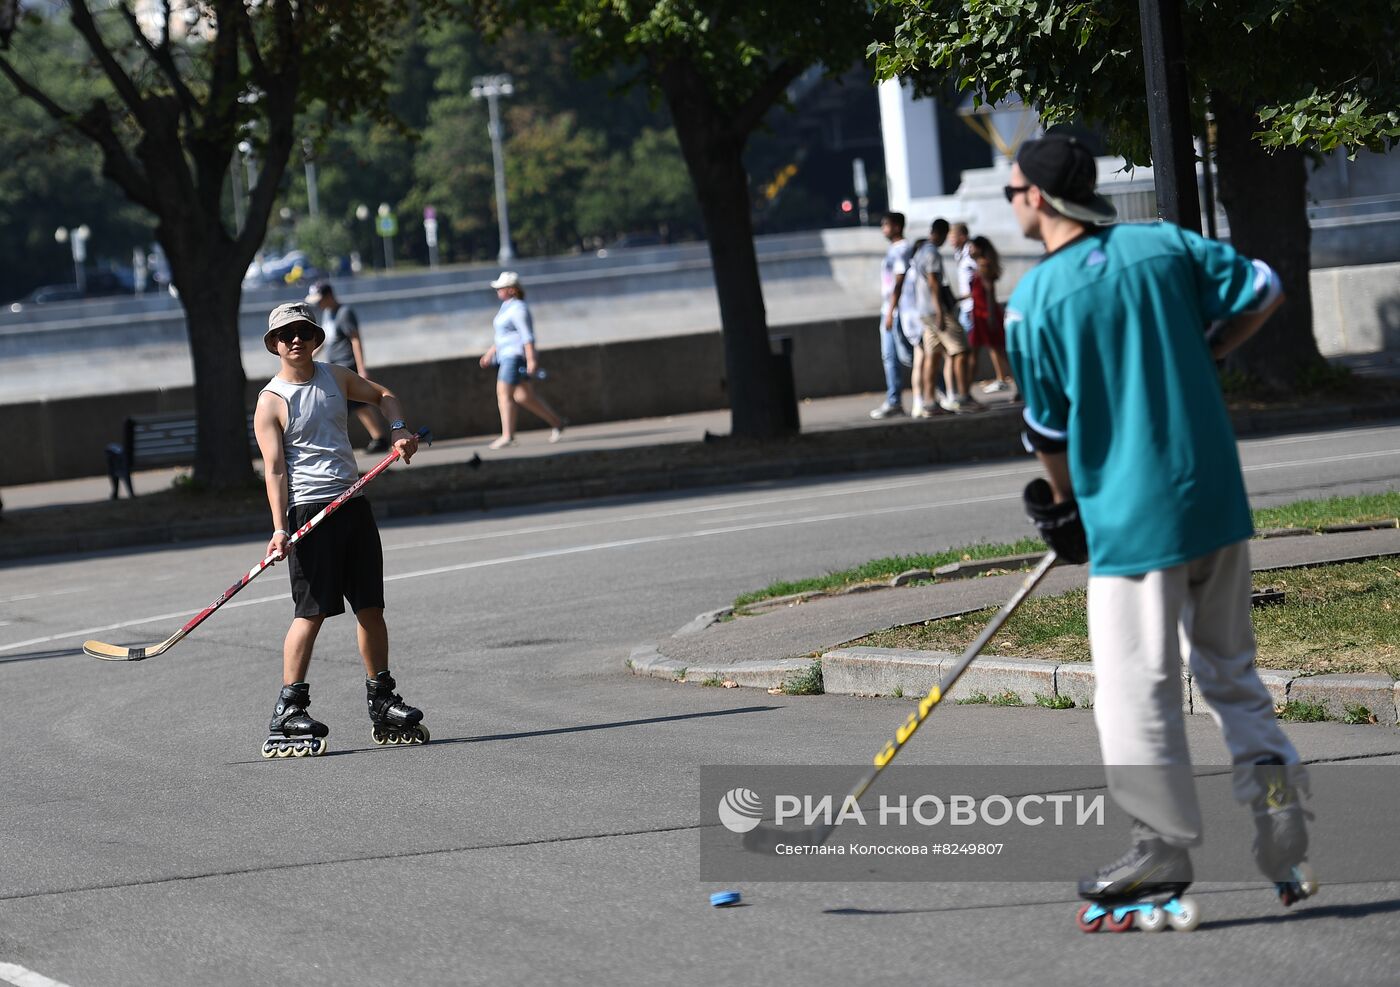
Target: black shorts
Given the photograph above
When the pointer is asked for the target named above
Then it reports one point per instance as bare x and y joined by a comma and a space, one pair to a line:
340, 561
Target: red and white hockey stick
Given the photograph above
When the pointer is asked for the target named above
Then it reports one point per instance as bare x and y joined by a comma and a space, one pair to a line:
113, 652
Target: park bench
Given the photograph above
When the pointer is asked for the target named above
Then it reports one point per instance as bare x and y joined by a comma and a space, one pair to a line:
156, 440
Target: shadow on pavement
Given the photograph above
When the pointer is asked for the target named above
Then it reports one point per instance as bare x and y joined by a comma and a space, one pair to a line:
608, 726
1303, 913
1359, 910
40, 655
615, 724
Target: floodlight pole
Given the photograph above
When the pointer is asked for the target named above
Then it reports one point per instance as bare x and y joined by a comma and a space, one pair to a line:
491, 88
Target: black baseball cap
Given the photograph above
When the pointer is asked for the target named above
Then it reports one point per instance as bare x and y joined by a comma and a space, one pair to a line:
1064, 171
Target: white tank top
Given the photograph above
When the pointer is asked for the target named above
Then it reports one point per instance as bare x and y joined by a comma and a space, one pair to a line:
320, 461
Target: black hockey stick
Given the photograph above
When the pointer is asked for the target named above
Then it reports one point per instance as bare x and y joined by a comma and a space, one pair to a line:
765, 837
114, 652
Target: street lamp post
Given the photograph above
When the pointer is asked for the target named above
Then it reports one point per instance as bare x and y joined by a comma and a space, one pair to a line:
362, 214
237, 184
388, 226
78, 239
313, 202
245, 148
491, 88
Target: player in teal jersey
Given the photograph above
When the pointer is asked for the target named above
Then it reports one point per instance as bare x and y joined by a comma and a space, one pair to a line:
1113, 338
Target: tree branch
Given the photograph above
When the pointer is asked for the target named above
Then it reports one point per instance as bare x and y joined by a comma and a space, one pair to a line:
162, 57
35, 94
95, 125
121, 82
751, 114
244, 29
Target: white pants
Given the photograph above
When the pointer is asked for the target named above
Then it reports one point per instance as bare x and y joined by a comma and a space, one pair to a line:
1140, 628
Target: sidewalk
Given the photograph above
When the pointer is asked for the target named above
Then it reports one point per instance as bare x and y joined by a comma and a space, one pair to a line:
772, 647
839, 414
593, 460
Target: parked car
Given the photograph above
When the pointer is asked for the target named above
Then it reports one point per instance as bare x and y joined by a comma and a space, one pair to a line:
100, 284
632, 240
276, 270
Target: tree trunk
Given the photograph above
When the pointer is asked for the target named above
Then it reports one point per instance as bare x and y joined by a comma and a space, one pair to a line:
1265, 198
210, 292
714, 157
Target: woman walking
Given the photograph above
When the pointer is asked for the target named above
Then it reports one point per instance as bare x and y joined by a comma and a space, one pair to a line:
513, 354
987, 327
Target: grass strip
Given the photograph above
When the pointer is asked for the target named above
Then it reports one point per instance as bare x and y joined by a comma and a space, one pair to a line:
1334, 619
884, 569
1318, 514
1309, 514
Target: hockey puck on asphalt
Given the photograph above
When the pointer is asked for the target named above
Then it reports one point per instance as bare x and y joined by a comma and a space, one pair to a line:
721, 899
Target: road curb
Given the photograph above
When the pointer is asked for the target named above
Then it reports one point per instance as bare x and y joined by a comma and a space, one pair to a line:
874, 672
895, 672
647, 660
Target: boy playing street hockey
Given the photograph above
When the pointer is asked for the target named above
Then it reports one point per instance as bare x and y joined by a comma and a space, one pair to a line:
300, 424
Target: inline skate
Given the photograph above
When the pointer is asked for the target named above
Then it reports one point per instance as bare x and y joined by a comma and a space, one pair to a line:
292, 732
392, 720
1281, 835
1143, 888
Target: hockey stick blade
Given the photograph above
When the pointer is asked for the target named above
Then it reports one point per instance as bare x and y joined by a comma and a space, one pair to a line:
115, 652
764, 838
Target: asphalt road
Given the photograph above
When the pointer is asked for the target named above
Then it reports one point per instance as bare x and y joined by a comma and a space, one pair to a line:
548, 832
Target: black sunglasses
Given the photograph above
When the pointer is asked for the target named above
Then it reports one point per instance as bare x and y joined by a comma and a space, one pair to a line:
302, 332
1011, 191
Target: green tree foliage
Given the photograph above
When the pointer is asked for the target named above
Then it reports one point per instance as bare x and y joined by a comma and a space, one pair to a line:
1283, 76
632, 188
175, 95
563, 140
325, 240
50, 177
719, 66
1319, 75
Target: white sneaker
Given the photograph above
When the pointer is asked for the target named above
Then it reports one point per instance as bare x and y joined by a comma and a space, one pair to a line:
995, 387
887, 411
501, 443
918, 411
555, 434
947, 403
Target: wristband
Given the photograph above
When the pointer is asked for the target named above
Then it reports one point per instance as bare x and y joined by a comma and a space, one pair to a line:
282, 531
397, 426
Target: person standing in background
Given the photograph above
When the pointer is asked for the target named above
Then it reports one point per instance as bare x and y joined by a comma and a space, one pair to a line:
987, 327
344, 348
895, 351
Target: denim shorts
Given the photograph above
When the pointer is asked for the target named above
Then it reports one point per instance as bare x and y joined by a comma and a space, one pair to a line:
511, 370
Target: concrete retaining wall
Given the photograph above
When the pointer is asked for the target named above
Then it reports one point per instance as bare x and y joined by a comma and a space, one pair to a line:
1357, 310
641, 378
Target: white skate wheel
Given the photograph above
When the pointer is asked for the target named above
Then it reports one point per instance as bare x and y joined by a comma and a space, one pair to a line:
1153, 919
1188, 916
1307, 880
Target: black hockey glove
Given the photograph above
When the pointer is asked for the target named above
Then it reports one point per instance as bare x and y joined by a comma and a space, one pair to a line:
1058, 524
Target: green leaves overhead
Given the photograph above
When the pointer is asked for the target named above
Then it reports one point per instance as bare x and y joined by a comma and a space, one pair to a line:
736, 46
1323, 75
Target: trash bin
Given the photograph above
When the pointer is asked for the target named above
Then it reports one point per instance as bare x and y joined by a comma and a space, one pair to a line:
781, 368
